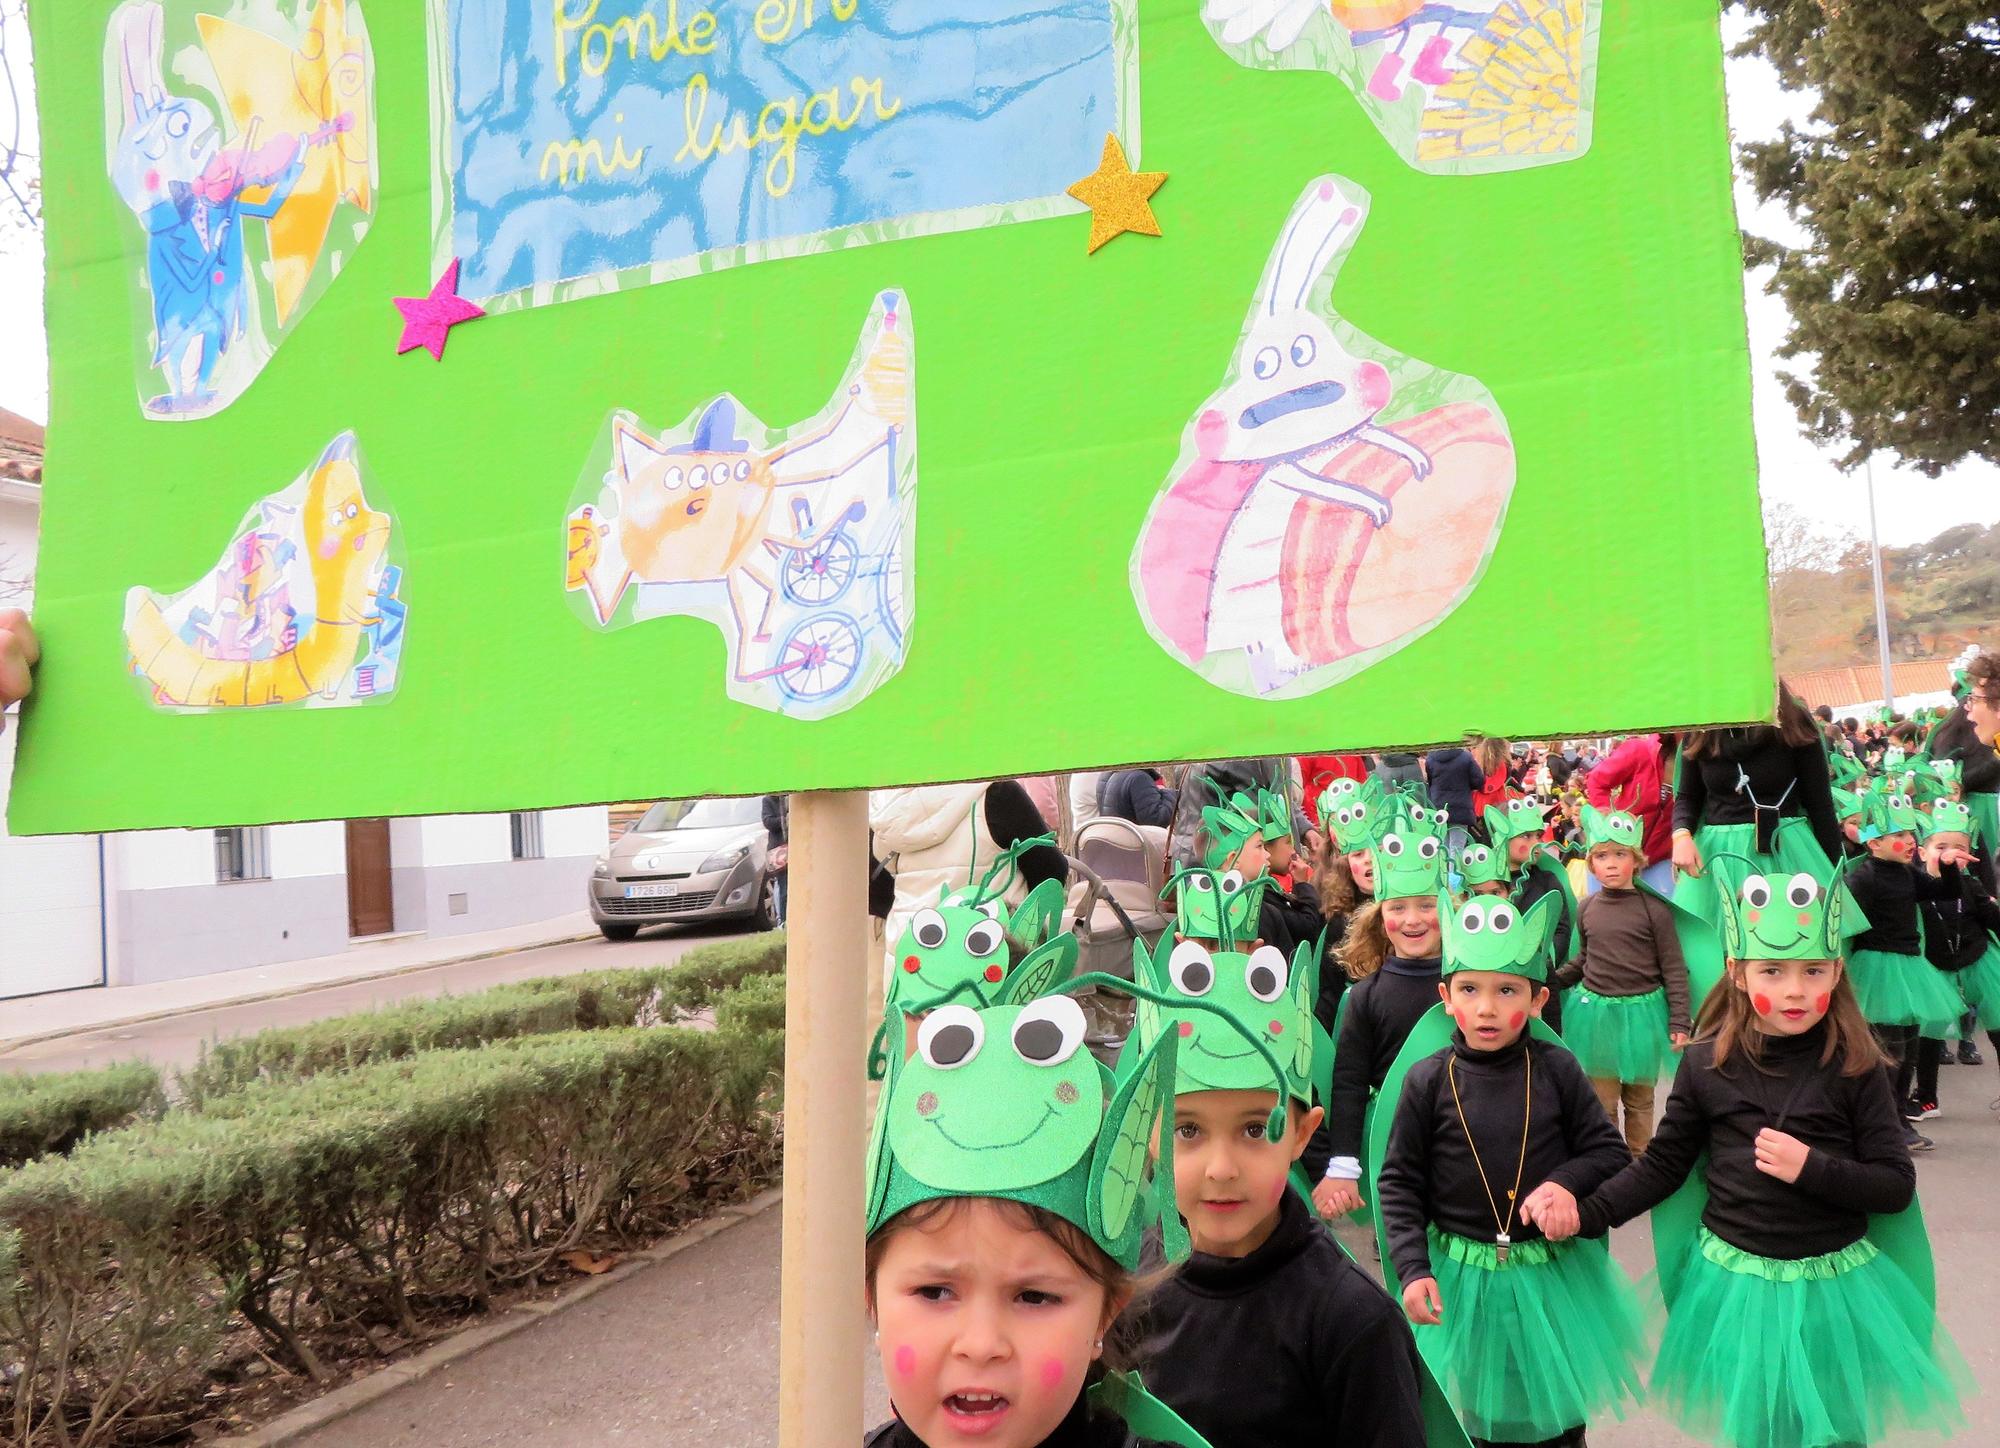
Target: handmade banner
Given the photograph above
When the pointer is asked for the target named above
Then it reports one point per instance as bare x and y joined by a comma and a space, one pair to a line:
1259, 433
583, 145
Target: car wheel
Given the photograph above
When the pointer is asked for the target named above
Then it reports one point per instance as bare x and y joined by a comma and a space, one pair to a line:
618, 930
765, 916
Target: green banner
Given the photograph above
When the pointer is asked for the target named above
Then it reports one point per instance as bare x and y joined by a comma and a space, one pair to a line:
1426, 409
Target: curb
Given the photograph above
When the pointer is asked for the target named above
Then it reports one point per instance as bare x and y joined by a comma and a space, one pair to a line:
18, 1043
330, 1407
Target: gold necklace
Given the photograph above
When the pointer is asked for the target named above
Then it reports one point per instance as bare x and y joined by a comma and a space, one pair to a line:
1502, 1238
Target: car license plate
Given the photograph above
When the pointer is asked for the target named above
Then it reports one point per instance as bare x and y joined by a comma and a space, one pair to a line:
656, 891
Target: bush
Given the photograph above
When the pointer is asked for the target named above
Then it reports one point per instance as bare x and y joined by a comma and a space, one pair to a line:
51, 1113
311, 1209
594, 1000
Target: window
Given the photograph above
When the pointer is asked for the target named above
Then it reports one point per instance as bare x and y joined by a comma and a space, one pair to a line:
242, 855
527, 832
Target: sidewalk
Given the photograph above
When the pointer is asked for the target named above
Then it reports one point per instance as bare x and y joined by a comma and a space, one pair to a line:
34, 1019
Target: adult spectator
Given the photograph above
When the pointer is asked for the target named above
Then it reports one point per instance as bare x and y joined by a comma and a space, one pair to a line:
1317, 771
942, 837
777, 846
1395, 769
1138, 795
1083, 799
1493, 757
1637, 777
1454, 777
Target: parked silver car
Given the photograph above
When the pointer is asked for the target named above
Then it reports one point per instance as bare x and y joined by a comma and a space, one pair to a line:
686, 860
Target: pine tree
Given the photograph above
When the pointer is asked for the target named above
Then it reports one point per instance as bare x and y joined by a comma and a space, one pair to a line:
1895, 180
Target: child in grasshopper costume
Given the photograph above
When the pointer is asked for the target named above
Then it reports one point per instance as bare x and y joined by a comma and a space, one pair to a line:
1900, 995
1515, 830
1346, 879
1391, 954
1008, 1168
1483, 870
1959, 940
1797, 1276
1493, 1128
1289, 914
1632, 1005
1313, 1342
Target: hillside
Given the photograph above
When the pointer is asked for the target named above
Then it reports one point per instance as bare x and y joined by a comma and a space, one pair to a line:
1942, 594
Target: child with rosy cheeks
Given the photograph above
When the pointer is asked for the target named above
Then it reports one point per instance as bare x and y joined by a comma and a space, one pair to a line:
989, 1315
1960, 941
1783, 1113
1492, 1140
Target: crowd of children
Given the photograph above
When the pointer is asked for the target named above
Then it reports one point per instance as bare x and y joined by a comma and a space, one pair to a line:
1455, 1036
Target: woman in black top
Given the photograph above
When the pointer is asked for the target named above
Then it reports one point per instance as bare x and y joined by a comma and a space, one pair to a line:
1763, 792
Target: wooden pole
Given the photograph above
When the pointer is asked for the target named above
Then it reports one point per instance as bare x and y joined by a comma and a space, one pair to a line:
821, 1327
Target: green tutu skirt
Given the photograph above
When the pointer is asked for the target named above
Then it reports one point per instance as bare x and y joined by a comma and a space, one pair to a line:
1793, 850
1979, 983
1617, 1038
1904, 990
1986, 819
1540, 1345
1839, 1349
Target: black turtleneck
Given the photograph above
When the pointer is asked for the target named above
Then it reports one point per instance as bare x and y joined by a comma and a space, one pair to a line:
1858, 1164
1958, 931
1079, 1430
1887, 892
1292, 1344
1747, 768
1429, 1174
1381, 1011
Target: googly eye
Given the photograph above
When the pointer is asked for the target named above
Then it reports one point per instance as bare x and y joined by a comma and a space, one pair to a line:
950, 1037
1048, 1031
1345, 816
1803, 890
991, 910
1428, 847
1191, 969
1471, 919
1502, 918
1232, 882
1201, 884
983, 939
929, 929
671, 479
1303, 350
1266, 364
1392, 846
1756, 892
1477, 855
1265, 973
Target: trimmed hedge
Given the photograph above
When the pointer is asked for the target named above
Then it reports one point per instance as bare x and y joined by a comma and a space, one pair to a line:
41, 1114
593, 1000
311, 1209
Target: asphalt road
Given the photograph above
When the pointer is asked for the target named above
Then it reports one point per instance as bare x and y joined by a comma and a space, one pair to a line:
176, 1041
684, 1354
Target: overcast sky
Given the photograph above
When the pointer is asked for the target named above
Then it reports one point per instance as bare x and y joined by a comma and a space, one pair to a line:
1793, 470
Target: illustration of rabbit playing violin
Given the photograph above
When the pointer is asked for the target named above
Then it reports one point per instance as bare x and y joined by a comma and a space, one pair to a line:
1309, 529
194, 196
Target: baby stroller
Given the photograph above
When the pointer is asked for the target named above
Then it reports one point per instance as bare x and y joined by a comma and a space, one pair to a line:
1118, 871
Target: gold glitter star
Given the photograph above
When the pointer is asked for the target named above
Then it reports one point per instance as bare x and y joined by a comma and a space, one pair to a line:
1118, 196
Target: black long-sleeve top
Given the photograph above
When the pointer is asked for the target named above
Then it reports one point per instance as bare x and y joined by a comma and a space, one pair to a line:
1979, 765
1429, 1174
1746, 768
1288, 919
1382, 1009
1887, 892
1857, 1165
1081, 1429
1958, 931
1292, 1344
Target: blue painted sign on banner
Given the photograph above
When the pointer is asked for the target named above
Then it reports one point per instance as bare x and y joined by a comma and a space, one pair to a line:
583, 145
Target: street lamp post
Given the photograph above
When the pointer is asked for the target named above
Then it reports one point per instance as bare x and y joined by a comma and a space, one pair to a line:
1881, 599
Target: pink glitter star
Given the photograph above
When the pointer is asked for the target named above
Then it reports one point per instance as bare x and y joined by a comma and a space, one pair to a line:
426, 320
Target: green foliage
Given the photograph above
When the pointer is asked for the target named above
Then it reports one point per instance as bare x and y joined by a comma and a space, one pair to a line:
591, 1001
1896, 184
302, 1208
51, 1113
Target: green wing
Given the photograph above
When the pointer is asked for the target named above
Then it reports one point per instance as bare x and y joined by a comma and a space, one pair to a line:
1431, 1034
878, 1138
1701, 946
1152, 1421
1543, 861
1037, 915
1120, 1180
1045, 967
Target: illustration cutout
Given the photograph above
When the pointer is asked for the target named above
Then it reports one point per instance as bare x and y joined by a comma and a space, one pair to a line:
250, 176
1482, 85
1333, 501
795, 543
304, 607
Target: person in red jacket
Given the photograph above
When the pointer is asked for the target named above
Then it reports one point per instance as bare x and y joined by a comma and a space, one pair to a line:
1638, 777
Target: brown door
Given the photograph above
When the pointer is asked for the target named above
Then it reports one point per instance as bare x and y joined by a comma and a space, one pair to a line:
371, 908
